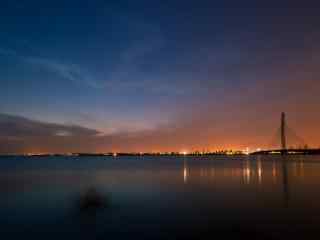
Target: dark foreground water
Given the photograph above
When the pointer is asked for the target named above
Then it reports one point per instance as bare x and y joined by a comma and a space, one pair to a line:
160, 198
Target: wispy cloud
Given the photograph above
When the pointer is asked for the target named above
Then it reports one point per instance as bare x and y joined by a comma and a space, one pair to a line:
16, 126
127, 74
71, 72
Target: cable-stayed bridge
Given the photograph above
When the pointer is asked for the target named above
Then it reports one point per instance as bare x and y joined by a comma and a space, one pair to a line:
287, 141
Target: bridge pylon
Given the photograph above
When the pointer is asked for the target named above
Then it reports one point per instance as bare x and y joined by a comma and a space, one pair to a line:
283, 132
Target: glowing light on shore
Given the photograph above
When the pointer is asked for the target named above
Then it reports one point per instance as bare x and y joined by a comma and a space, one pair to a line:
115, 154
184, 152
246, 151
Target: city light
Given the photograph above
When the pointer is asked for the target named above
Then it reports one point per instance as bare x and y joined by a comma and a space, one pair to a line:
184, 152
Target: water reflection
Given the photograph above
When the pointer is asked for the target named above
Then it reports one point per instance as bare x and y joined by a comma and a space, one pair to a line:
185, 171
174, 193
247, 171
251, 171
301, 168
265, 171
285, 181
259, 167
274, 171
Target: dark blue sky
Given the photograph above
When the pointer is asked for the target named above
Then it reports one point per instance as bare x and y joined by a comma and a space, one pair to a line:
149, 67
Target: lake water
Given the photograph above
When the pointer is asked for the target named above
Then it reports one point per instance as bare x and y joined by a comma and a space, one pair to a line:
256, 197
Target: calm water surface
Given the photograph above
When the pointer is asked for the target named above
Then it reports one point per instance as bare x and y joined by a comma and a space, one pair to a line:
160, 197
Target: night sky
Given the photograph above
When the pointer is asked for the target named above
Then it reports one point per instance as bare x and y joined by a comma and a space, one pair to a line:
99, 76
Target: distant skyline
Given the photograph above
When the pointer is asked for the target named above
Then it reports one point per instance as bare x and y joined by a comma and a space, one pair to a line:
103, 76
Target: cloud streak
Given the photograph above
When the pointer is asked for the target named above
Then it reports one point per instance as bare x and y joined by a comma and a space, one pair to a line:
20, 127
128, 74
71, 72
